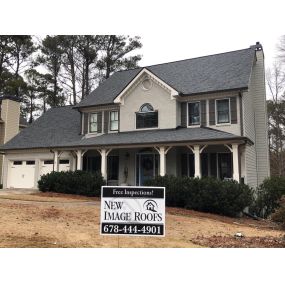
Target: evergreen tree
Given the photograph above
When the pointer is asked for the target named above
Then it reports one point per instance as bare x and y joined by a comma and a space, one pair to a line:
51, 59
115, 54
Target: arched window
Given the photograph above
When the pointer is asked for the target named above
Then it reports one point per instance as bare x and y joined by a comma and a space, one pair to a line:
147, 117
146, 108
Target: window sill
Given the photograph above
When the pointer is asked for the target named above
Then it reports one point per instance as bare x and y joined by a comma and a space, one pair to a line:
145, 129
194, 126
91, 135
223, 124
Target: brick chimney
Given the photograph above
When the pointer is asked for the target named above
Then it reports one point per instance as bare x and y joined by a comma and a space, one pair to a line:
10, 116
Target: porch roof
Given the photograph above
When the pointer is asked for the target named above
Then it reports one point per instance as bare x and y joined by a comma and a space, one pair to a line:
165, 136
133, 138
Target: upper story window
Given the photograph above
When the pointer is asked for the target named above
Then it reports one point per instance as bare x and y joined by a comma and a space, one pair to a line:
114, 121
93, 123
147, 117
223, 111
193, 113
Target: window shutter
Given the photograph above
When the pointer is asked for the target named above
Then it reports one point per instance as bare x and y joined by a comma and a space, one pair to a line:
212, 112
99, 122
203, 113
106, 122
233, 110
184, 114
85, 123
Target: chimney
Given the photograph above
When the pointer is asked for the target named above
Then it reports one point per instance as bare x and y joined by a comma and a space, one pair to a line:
10, 116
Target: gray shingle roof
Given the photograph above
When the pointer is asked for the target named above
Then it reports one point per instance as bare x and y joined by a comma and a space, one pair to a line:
60, 127
225, 71
56, 126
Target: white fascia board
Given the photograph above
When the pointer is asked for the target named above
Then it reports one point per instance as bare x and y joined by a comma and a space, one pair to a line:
173, 92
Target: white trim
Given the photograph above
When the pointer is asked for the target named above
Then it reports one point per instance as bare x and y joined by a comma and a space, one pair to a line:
119, 98
89, 115
187, 110
109, 121
216, 112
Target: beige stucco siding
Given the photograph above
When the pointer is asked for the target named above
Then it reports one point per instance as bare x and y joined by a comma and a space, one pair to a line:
158, 97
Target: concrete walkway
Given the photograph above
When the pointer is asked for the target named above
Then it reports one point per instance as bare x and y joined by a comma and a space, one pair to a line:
18, 191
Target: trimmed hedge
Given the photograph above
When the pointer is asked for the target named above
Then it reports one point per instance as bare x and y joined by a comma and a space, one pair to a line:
268, 196
207, 194
72, 182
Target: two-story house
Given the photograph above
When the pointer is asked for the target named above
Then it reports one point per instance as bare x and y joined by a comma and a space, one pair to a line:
199, 117
11, 122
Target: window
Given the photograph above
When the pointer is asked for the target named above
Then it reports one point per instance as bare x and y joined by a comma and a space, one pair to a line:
113, 167
225, 165
64, 161
114, 120
93, 126
223, 111
147, 117
194, 113
30, 162
17, 162
48, 162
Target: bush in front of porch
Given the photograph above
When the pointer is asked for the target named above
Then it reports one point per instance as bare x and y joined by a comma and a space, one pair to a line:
72, 182
206, 194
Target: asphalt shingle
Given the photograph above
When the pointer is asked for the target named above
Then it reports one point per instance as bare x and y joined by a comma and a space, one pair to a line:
225, 71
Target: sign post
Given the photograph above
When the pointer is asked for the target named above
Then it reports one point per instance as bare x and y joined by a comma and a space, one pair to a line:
132, 210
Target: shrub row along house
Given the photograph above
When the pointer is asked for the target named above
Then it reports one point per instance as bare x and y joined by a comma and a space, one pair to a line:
199, 117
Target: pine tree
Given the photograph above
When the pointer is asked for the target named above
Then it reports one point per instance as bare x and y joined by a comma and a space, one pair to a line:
115, 53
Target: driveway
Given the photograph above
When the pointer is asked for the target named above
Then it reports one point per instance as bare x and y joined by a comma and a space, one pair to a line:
17, 191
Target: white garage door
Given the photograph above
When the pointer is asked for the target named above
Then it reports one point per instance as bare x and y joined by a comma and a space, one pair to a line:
47, 166
22, 174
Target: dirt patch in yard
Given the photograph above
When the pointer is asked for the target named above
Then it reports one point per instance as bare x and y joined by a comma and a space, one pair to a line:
57, 220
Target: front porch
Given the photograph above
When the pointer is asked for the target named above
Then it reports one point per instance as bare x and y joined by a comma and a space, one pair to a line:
132, 165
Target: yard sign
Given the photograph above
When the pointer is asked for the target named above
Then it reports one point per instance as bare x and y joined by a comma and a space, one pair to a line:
131, 210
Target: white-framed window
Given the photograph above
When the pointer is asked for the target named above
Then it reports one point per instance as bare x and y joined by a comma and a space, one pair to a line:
147, 117
93, 123
194, 113
114, 121
223, 111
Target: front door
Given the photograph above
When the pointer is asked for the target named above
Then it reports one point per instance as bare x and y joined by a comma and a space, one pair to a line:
146, 167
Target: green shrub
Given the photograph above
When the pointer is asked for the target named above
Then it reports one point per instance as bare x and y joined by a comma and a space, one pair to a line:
72, 182
279, 215
207, 194
268, 196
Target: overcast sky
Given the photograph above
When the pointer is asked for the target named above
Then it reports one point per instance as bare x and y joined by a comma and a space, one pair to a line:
170, 30
158, 48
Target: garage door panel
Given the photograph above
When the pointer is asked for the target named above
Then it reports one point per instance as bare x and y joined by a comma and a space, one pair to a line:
22, 174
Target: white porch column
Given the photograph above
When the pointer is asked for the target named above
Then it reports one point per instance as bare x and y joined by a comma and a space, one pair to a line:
104, 154
56, 168
235, 162
196, 151
104, 163
79, 159
162, 156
